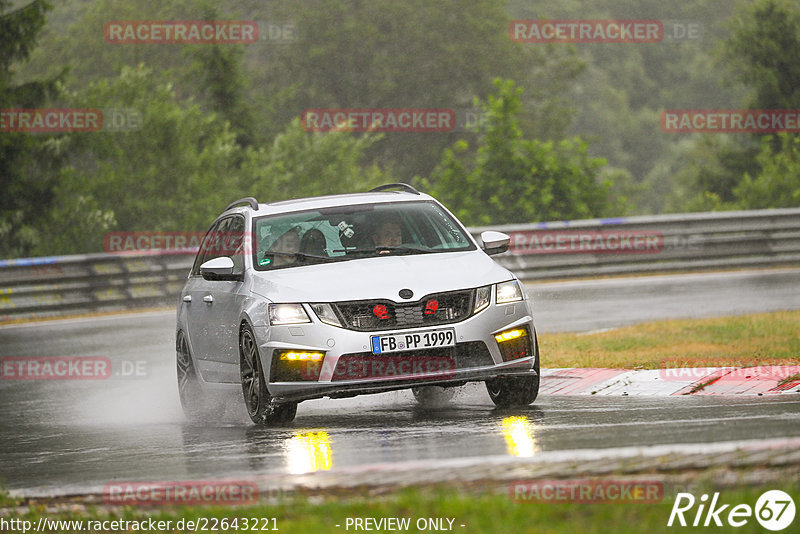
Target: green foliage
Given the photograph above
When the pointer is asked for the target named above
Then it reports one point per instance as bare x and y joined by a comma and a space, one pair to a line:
182, 166
711, 166
777, 185
352, 53
25, 160
732, 171
762, 52
620, 94
220, 121
141, 179
414, 53
300, 164
510, 179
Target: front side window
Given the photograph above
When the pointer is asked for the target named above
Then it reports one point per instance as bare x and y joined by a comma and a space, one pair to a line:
224, 238
345, 233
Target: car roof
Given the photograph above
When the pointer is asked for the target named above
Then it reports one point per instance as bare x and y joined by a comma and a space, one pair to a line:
328, 201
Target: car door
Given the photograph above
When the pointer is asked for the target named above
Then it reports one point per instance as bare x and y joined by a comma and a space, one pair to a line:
192, 301
225, 304
213, 313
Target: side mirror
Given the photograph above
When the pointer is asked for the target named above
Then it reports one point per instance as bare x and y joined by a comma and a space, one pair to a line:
218, 269
495, 242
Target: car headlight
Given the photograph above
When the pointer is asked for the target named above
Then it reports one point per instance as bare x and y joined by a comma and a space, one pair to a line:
326, 314
508, 292
287, 314
482, 297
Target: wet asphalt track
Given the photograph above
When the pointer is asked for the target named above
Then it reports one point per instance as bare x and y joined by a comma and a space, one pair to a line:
65, 437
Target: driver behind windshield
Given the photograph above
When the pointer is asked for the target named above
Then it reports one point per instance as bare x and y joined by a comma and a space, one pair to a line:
388, 234
285, 245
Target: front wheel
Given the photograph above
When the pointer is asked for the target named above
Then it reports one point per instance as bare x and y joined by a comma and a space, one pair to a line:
254, 386
515, 391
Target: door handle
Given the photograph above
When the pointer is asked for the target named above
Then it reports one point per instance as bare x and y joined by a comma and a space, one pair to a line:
187, 298
208, 298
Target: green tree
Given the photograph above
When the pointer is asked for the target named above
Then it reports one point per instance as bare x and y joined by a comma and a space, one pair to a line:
619, 96
777, 185
27, 162
179, 166
762, 53
300, 164
415, 53
750, 171
510, 179
710, 168
172, 167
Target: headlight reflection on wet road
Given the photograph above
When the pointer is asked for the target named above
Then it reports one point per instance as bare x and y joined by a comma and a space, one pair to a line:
520, 436
307, 452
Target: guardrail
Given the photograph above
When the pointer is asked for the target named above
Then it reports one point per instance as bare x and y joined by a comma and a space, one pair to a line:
645, 244
59, 285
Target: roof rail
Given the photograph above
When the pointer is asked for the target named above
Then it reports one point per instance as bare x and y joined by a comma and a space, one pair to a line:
246, 200
405, 187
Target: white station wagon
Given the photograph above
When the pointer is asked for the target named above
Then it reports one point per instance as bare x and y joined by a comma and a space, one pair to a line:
344, 295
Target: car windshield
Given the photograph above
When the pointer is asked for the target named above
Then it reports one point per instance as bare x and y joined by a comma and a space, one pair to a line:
344, 233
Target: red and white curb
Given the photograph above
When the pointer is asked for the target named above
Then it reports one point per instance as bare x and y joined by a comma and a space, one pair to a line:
763, 380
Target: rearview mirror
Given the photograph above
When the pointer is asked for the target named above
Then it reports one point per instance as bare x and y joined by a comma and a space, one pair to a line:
495, 242
218, 269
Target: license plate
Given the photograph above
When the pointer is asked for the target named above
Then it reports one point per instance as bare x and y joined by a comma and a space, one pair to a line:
443, 337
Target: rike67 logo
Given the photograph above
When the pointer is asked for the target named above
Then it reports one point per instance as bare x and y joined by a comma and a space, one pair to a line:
774, 510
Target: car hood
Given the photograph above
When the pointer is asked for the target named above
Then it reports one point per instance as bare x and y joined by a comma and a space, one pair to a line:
380, 278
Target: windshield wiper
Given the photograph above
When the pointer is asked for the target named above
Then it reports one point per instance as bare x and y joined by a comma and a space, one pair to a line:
383, 249
299, 255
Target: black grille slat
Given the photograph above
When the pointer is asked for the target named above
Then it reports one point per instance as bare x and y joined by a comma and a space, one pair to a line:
453, 306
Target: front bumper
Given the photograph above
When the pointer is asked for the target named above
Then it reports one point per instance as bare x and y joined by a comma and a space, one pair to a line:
342, 347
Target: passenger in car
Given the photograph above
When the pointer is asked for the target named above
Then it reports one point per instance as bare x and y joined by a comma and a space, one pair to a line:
314, 243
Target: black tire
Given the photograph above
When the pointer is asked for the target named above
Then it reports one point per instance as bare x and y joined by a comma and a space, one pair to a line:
515, 391
193, 401
254, 386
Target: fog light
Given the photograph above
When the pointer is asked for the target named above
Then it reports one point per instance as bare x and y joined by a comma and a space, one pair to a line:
508, 335
302, 356
514, 344
296, 366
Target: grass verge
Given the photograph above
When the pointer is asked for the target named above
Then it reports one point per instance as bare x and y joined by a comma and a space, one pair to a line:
487, 512
742, 341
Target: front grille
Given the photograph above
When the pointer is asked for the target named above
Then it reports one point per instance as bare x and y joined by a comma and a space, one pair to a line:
431, 310
363, 365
